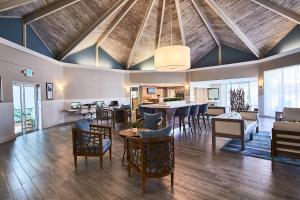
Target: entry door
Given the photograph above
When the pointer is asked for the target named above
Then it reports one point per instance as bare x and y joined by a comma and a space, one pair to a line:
26, 116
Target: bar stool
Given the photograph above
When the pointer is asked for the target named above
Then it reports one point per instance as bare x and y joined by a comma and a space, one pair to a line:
193, 116
182, 113
202, 113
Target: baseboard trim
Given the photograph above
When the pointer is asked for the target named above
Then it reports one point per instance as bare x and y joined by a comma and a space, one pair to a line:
7, 138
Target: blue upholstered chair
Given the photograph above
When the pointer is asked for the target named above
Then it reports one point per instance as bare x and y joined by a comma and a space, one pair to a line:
181, 113
142, 110
152, 155
202, 112
91, 140
193, 116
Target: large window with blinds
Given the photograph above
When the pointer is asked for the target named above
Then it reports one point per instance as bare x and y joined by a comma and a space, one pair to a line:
281, 89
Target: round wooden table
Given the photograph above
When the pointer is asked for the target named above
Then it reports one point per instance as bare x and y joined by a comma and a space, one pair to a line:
126, 133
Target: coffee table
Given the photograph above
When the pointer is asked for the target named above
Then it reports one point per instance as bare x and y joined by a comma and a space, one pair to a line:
126, 133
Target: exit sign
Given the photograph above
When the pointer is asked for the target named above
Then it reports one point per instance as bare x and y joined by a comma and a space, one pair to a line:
27, 72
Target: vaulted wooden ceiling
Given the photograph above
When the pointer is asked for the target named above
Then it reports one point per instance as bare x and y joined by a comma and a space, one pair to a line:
130, 30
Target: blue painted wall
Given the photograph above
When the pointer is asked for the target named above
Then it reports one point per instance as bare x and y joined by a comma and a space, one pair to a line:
87, 57
145, 65
11, 29
229, 55
289, 42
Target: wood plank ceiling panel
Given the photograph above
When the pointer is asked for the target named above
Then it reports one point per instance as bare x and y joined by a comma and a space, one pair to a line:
28, 8
166, 29
58, 30
263, 27
120, 42
148, 41
292, 5
93, 37
224, 33
197, 36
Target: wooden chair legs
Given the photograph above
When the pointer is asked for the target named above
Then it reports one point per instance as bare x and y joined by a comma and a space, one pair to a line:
101, 160
110, 153
143, 184
172, 179
75, 161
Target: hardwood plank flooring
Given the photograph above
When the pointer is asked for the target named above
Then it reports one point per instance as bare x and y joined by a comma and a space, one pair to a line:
40, 165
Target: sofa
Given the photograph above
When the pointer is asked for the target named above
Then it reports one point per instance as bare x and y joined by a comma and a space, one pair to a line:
286, 134
235, 126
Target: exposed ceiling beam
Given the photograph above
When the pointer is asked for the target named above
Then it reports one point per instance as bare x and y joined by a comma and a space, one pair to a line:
233, 27
279, 10
161, 22
203, 16
116, 21
87, 31
142, 27
10, 4
47, 10
177, 4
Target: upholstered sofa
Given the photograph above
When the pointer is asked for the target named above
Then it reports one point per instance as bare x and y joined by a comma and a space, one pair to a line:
286, 134
235, 125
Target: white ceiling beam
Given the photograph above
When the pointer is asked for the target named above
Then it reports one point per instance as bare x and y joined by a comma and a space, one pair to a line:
116, 21
203, 16
142, 27
161, 22
279, 10
87, 31
233, 27
47, 10
178, 10
10, 4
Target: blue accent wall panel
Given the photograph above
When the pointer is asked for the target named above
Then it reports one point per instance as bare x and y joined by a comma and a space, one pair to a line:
34, 43
87, 57
229, 55
289, 42
11, 29
145, 65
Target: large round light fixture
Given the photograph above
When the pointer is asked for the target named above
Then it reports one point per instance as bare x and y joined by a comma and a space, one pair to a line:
172, 58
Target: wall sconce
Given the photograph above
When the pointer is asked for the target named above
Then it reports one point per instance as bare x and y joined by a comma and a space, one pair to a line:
127, 88
186, 86
60, 87
261, 84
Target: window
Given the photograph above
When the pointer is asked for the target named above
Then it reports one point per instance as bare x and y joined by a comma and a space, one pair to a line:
281, 89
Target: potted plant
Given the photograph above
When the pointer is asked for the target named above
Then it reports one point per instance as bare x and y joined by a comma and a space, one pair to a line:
136, 125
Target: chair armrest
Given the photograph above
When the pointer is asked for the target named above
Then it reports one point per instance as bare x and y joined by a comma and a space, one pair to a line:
249, 115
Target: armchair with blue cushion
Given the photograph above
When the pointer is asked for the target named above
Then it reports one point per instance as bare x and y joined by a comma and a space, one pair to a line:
91, 140
152, 155
151, 121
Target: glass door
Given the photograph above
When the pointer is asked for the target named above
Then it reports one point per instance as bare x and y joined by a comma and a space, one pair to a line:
26, 107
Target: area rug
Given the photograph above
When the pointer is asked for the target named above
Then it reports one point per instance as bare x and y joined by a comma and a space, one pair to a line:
259, 147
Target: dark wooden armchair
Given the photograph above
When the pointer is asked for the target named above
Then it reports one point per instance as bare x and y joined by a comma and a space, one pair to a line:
151, 157
94, 143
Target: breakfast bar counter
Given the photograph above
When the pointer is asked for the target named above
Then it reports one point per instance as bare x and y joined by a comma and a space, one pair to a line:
168, 110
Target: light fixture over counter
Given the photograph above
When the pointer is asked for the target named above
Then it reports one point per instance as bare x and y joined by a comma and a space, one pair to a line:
172, 58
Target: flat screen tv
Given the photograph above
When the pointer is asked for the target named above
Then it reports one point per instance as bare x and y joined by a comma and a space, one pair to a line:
150, 90
213, 94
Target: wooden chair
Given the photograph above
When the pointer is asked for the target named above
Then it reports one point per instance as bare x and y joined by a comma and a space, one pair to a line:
93, 143
103, 114
151, 157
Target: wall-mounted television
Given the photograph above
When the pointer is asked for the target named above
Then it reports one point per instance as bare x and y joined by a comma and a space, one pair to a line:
150, 90
213, 94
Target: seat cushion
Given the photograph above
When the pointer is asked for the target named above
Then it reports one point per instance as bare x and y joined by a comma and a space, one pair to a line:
151, 120
92, 148
82, 124
106, 143
156, 133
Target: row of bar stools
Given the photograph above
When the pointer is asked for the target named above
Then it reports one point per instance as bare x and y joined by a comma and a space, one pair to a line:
182, 113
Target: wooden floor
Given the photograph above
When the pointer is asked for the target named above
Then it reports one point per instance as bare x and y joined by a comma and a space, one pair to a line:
39, 165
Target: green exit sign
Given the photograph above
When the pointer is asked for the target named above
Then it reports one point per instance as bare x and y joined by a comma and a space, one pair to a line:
27, 72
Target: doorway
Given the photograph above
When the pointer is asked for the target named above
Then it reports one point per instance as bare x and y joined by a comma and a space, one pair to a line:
26, 100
